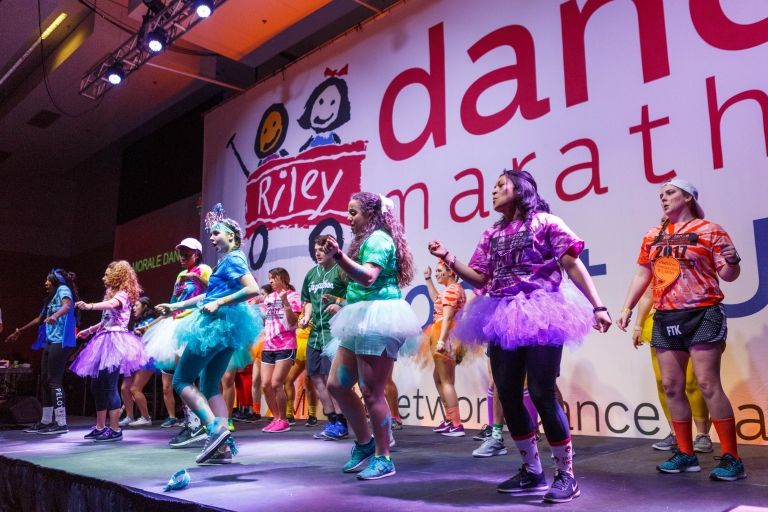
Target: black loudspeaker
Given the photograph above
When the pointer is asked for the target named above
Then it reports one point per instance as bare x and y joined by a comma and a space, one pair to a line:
20, 410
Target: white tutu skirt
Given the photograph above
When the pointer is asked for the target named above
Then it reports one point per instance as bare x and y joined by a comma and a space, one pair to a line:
111, 350
160, 344
560, 317
374, 326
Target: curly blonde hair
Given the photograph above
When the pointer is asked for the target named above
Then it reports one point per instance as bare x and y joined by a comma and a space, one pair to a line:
122, 278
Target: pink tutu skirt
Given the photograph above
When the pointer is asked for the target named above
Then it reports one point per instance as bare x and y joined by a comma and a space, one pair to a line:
111, 350
561, 317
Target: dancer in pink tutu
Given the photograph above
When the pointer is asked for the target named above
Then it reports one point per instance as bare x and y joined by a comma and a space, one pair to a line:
526, 317
112, 350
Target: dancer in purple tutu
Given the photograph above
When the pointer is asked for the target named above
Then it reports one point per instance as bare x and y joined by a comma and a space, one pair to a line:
112, 350
526, 316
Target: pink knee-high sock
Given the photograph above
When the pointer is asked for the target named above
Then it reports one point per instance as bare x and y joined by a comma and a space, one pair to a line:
490, 405
532, 412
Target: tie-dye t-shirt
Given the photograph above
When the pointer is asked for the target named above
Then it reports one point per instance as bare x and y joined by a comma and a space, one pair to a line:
453, 295
116, 319
278, 335
521, 260
189, 288
697, 248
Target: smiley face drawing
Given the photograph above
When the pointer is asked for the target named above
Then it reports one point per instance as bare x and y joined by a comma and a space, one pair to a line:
271, 135
326, 109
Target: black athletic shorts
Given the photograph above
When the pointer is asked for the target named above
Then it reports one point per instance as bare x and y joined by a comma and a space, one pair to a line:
273, 356
671, 333
317, 363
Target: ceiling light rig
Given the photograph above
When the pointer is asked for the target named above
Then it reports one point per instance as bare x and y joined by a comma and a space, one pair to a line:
157, 33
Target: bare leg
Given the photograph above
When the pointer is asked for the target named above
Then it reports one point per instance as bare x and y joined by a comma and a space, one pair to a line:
673, 365
447, 374
274, 387
290, 384
227, 388
390, 390
374, 372
438, 384
140, 380
341, 381
125, 394
321, 387
706, 365
168, 399
256, 383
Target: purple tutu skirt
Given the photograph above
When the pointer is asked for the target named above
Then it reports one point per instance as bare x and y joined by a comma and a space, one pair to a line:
561, 317
111, 350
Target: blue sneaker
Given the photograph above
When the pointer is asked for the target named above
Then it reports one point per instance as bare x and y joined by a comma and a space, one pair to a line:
379, 467
336, 432
729, 469
361, 454
324, 433
524, 481
680, 463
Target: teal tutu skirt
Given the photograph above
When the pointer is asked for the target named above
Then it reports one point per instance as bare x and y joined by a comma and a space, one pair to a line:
230, 327
240, 359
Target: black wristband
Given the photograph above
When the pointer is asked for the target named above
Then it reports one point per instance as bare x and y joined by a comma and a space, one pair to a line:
337, 256
601, 308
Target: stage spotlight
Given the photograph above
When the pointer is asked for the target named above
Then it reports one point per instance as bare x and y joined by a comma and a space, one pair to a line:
115, 73
156, 40
204, 8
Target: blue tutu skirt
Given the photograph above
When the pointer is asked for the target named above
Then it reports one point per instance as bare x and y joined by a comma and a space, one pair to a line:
236, 327
240, 359
111, 350
561, 317
375, 325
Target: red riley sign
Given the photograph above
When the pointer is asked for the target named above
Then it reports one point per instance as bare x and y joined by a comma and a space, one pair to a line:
302, 190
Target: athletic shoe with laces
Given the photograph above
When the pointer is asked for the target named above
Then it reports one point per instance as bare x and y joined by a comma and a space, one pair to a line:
490, 448
336, 432
218, 436
484, 433
457, 431
53, 429
397, 424
94, 433
703, 443
239, 416
667, 444
221, 457
230, 425
279, 427
170, 422
291, 420
680, 463
391, 439
109, 436
126, 421
37, 427
269, 426
379, 467
359, 456
323, 434
563, 489
443, 426
187, 436
143, 421
311, 421
524, 481
729, 469
252, 417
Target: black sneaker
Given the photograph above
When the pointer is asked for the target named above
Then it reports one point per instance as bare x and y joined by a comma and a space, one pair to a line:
94, 433
524, 481
37, 427
109, 436
563, 489
291, 420
212, 443
484, 433
53, 428
187, 436
239, 416
397, 424
220, 458
311, 421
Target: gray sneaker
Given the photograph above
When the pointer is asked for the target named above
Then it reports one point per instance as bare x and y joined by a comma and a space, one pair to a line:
667, 444
702, 443
490, 447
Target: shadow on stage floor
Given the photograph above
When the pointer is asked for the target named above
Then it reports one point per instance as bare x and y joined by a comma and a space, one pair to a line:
292, 471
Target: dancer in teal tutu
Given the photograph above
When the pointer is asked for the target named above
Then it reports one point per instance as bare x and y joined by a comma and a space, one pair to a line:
221, 325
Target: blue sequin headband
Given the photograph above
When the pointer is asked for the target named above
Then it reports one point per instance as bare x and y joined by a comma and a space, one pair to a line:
58, 276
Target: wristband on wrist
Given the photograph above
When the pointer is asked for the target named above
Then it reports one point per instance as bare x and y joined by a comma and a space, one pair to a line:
602, 308
638, 328
450, 260
337, 256
626, 310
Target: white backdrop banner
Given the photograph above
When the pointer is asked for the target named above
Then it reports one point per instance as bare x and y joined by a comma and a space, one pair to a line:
601, 100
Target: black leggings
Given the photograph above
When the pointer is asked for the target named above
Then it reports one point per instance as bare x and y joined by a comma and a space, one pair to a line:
541, 364
104, 389
52, 368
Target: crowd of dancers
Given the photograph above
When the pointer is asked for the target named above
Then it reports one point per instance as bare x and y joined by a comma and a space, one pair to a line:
349, 323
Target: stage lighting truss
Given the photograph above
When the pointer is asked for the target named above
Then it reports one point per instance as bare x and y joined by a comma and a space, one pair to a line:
173, 21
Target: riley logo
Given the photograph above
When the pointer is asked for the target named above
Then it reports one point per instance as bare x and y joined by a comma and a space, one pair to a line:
673, 330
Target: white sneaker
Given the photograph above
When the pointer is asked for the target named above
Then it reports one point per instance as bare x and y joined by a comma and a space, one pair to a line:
391, 439
126, 421
141, 422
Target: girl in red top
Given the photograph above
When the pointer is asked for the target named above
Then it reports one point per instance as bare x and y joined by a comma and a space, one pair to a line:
685, 257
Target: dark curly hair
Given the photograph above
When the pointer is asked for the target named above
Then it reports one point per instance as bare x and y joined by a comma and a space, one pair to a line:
528, 201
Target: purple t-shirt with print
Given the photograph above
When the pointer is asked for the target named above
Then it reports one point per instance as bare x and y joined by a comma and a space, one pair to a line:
521, 260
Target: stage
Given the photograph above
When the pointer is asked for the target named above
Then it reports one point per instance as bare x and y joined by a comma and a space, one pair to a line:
292, 471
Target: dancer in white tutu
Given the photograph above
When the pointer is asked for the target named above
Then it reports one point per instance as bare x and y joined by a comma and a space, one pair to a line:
372, 327
526, 316
220, 325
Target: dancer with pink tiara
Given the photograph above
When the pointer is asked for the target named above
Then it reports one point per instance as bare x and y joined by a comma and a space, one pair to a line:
372, 327
527, 315
112, 350
221, 324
